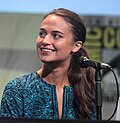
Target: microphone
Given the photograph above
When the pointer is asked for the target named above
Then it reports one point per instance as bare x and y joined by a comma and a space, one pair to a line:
85, 62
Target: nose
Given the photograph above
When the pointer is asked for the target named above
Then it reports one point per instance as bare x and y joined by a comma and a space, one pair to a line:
46, 39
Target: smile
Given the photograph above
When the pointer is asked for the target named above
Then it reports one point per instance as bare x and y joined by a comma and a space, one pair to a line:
47, 50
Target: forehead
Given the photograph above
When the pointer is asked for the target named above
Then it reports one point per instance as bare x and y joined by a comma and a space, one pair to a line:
54, 20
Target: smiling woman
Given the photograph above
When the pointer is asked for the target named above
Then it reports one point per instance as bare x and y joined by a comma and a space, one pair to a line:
53, 39
60, 89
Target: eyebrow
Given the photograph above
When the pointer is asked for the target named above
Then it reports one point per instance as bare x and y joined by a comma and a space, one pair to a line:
55, 31
42, 29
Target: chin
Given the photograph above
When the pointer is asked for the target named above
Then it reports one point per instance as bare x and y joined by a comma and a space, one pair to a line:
45, 61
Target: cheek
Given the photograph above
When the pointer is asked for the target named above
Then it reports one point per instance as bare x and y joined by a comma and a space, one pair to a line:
38, 41
66, 50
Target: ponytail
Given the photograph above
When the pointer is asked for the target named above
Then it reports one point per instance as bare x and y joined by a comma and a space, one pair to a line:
82, 80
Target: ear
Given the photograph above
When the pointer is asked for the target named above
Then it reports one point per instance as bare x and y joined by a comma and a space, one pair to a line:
77, 46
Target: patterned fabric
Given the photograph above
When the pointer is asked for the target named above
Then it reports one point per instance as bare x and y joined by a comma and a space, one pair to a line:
30, 96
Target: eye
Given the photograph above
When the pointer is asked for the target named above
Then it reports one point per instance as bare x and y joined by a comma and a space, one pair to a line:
57, 36
42, 33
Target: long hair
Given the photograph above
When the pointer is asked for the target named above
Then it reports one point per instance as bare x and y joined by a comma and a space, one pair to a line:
82, 79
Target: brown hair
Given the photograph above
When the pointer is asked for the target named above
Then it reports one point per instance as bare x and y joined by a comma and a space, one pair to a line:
82, 79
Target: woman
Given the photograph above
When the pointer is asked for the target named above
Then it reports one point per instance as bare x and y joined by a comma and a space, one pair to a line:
61, 89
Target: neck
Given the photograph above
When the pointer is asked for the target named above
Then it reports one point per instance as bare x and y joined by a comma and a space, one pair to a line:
56, 75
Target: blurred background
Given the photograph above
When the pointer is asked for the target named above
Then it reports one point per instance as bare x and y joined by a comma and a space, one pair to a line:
19, 28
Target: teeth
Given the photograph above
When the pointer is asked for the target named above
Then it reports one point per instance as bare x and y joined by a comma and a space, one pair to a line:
47, 50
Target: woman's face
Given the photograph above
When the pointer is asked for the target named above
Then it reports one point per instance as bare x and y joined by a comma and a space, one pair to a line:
55, 40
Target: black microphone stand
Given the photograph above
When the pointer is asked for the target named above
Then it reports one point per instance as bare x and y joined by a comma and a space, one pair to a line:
98, 95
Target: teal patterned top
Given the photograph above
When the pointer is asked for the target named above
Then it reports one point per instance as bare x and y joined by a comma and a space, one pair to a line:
30, 96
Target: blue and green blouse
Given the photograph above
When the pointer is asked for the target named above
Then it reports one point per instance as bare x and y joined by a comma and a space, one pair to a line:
30, 96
